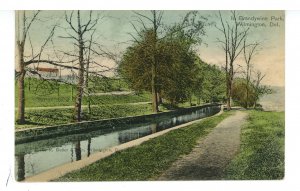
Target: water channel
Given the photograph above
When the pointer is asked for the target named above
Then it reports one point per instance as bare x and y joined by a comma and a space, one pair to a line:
38, 156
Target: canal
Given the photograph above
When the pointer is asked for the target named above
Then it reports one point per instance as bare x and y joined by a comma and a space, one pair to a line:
34, 157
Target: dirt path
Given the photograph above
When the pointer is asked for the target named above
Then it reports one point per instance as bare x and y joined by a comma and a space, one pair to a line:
211, 155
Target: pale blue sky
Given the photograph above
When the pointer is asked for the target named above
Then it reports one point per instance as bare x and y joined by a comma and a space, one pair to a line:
113, 29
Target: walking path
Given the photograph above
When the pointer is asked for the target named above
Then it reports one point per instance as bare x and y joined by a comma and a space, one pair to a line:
212, 154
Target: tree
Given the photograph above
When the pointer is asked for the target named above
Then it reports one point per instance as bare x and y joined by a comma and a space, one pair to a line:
258, 88
177, 71
232, 44
166, 60
77, 32
173, 71
87, 69
24, 23
187, 36
208, 85
249, 51
243, 92
246, 94
152, 39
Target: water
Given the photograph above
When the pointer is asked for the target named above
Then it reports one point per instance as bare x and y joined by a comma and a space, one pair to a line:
35, 157
274, 101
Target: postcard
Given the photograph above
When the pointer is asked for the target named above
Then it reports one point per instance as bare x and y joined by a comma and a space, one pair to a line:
133, 95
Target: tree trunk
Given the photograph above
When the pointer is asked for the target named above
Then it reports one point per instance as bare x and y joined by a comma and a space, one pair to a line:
230, 83
153, 88
228, 104
153, 67
228, 93
87, 87
198, 101
247, 94
21, 85
78, 101
159, 98
247, 82
88, 91
80, 84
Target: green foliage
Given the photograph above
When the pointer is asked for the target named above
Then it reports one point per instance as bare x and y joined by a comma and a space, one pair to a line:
209, 83
148, 160
136, 62
172, 56
239, 93
177, 72
240, 89
262, 150
175, 69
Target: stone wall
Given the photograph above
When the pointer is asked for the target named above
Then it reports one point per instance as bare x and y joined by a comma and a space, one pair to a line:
32, 134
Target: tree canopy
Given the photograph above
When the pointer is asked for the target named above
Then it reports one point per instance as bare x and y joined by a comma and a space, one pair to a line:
180, 72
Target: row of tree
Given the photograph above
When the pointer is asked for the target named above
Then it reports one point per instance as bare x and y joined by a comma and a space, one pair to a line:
162, 59
246, 89
78, 33
168, 65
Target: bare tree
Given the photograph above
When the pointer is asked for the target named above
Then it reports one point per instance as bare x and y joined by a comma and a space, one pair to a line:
87, 72
259, 90
232, 44
24, 23
248, 55
77, 32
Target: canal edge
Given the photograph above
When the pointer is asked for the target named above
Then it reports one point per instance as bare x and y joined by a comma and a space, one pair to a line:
61, 170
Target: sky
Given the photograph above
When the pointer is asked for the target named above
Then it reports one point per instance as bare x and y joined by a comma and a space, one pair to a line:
266, 27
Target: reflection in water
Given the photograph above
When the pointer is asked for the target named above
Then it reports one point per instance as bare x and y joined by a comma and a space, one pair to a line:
72, 153
89, 147
78, 150
153, 127
46, 154
20, 166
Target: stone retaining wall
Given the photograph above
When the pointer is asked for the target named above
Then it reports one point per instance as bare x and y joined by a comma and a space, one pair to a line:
32, 134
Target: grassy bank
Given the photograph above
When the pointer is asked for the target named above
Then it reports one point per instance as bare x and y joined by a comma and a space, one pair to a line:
60, 116
262, 149
148, 160
40, 93
51, 103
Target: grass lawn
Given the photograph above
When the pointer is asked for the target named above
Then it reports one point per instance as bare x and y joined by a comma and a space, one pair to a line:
49, 93
262, 149
43, 93
148, 160
39, 93
47, 117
